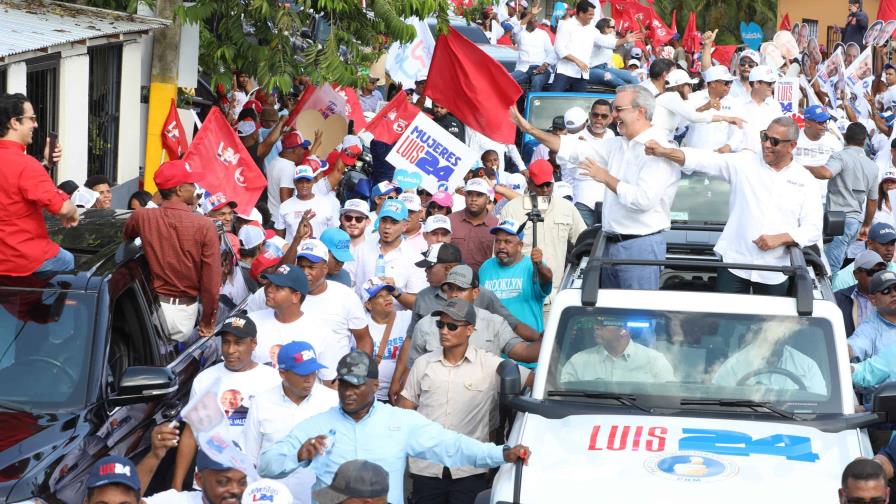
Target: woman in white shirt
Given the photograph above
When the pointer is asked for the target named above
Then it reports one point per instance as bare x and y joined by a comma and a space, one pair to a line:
672, 107
387, 328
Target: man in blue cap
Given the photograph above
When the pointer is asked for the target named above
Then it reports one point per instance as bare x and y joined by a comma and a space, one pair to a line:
380, 193
881, 239
219, 484
276, 411
852, 189
339, 244
113, 480
816, 143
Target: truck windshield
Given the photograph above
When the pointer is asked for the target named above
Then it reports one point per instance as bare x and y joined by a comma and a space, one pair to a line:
45, 342
697, 357
700, 199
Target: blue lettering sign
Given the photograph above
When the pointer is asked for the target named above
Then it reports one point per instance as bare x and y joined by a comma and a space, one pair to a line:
725, 442
431, 165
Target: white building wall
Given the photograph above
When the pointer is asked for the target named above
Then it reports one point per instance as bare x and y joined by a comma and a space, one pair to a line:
129, 125
17, 78
74, 74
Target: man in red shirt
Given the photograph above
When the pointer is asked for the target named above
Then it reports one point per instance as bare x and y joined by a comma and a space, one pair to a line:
25, 246
183, 250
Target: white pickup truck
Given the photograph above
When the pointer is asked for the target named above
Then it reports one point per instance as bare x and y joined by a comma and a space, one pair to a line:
687, 395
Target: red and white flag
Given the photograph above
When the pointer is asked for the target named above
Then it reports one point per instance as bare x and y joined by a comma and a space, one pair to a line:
392, 121
226, 165
353, 110
174, 138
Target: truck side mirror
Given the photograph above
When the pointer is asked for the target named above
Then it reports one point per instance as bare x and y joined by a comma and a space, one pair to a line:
508, 378
834, 224
885, 401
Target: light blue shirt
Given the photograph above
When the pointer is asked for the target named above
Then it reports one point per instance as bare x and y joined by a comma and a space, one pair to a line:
844, 278
872, 337
275, 150
386, 436
878, 369
518, 288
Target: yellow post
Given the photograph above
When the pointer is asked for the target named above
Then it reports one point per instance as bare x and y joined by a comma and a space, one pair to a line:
160, 95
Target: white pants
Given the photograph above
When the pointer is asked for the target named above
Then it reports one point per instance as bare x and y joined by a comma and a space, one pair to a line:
180, 320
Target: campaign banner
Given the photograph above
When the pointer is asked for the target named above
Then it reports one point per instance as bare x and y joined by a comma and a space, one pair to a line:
787, 93
830, 69
327, 101
407, 63
426, 148
859, 76
751, 34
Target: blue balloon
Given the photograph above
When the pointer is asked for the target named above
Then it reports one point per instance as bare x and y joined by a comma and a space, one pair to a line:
751, 34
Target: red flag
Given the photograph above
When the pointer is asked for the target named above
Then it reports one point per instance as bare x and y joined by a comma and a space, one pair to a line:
309, 90
674, 24
389, 124
353, 110
473, 86
785, 21
887, 10
225, 163
174, 139
631, 15
690, 42
723, 54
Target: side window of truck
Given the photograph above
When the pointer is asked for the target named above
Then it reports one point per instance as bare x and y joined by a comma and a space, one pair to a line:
130, 342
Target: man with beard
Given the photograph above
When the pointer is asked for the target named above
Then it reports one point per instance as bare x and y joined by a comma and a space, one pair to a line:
470, 226
361, 427
218, 483
182, 248
717, 136
448, 122
521, 285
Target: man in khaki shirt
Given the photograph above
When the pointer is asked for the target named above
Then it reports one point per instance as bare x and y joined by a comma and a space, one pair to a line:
455, 386
562, 221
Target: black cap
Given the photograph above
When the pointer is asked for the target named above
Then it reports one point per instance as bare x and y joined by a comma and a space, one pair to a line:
239, 325
355, 478
440, 253
68, 187
356, 367
458, 309
881, 280
558, 123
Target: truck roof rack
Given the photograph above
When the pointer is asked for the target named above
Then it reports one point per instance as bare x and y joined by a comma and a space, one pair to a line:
800, 288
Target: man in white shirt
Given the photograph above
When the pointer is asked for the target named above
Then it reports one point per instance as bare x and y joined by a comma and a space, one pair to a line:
574, 42
715, 136
284, 321
602, 72
326, 210
534, 60
338, 307
673, 111
640, 189
657, 73
397, 258
281, 170
773, 205
746, 62
277, 410
761, 108
413, 234
816, 144
587, 193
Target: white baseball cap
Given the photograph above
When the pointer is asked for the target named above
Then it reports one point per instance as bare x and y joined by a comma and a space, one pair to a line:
478, 185
717, 73
764, 74
437, 221
356, 205
254, 215
516, 182
84, 197
314, 250
251, 236
411, 201
267, 491
678, 77
304, 172
749, 53
575, 119
634, 62
636, 53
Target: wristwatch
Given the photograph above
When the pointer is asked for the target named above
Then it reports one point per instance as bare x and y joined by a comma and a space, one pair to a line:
397, 293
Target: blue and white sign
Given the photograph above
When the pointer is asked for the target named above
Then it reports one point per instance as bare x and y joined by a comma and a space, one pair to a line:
751, 34
426, 148
691, 466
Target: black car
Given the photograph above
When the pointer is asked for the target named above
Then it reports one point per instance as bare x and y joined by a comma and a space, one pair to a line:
85, 368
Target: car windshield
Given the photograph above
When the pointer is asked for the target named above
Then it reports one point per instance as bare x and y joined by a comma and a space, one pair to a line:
696, 359
45, 342
701, 199
543, 109
471, 32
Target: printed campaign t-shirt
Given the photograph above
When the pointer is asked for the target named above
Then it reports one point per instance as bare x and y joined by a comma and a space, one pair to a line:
517, 288
393, 345
310, 328
235, 391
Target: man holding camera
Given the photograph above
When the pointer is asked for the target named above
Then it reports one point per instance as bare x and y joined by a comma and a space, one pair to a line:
558, 220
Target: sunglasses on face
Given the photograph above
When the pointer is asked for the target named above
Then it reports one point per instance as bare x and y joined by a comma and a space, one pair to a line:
748, 65
598, 115
617, 108
441, 324
354, 218
774, 141
886, 292
545, 185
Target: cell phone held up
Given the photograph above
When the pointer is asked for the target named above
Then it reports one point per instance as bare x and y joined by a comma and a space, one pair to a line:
53, 141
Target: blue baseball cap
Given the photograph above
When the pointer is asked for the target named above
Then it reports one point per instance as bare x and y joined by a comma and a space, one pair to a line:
395, 209
339, 244
509, 226
372, 287
384, 188
288, 275
817, 113
298, 357
304, 172
881, 232
114, 469
204, 462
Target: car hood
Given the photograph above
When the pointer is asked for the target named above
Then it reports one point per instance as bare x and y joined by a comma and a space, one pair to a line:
668, 459
27, 441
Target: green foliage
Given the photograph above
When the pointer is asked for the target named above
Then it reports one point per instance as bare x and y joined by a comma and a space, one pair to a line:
725, 15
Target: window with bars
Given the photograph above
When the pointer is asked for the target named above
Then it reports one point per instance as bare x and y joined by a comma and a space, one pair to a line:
103, 110
813, 27
42, 81
2, 79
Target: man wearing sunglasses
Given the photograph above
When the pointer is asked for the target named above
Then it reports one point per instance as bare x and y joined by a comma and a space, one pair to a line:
864, 482
715, 136
877, 332
817, 143
881, 239
773, 204
855, 301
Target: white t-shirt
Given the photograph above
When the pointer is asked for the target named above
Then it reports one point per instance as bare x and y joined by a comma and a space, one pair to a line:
341, 311
393, 345
816, 153
175, 497
273, 334
235, 287
400, 265
291, 210
256, 301
235, 391
280, 173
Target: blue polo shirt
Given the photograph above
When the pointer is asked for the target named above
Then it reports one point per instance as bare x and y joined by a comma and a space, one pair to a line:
870, 338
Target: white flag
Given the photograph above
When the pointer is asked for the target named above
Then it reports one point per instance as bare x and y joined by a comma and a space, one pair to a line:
407, 63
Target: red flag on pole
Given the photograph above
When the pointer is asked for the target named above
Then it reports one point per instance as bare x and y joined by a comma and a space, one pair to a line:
887, 10
174, 138
674, 24
353, 110
723, 54
389, 124
785, 21
473, 86
690, 42
226, 165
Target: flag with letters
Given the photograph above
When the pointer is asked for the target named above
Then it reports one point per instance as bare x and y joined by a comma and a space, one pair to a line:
174, 138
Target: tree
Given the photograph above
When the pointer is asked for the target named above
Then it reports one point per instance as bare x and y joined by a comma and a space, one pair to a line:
725, 15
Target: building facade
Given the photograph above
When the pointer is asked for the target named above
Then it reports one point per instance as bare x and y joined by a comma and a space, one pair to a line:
823, 16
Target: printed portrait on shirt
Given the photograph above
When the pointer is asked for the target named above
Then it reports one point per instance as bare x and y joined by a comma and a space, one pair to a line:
275, 350
231, 401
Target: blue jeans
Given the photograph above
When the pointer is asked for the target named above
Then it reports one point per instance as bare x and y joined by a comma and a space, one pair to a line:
587, 213
836, 250
63, 261
566, 83
652, 247
534, 81
605, 75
